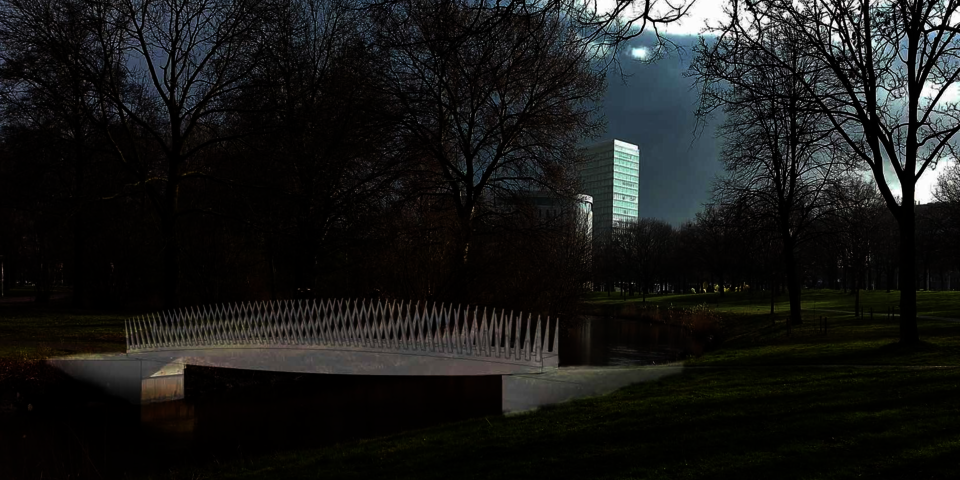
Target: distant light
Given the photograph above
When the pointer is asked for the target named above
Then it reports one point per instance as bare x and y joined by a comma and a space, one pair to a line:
640, 53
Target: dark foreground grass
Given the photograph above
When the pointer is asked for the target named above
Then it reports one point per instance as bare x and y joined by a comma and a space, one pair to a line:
705, 423
765, 405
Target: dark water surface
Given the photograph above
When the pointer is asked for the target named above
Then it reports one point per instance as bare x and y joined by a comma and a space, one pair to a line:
614, 342
230, 415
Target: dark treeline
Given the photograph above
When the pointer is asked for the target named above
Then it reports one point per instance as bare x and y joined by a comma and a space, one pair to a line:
174, 152
816, 92
852, 245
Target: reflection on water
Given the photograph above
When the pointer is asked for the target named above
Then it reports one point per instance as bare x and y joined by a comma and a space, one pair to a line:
612, 342
232, 414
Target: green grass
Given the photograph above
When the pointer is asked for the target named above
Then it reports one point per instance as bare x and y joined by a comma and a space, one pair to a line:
936, 304
31, 333
765, 404
39, 332
736, 423
756, 340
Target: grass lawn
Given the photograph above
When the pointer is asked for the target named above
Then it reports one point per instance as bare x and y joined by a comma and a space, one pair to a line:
707, 423
936, 304
29, 331
764, 405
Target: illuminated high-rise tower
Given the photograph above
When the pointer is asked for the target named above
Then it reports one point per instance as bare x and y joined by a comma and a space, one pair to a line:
611, 175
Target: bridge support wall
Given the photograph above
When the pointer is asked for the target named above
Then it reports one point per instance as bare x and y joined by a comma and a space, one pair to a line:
138, 381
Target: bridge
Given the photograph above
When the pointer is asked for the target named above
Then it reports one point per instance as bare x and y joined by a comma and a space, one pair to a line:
350, 337
347, 337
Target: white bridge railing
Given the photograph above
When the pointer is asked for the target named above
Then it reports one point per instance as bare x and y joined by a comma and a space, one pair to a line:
375, 327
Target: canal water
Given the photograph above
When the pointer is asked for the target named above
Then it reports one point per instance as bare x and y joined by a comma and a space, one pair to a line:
231, 415
613, 342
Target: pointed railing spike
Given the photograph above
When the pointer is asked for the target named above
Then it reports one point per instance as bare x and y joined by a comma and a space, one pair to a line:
537, 355
526, 340
554, 345
420, 327
485, 346
508, 337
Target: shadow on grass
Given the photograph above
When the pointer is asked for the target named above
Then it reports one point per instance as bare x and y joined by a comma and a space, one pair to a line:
744, 423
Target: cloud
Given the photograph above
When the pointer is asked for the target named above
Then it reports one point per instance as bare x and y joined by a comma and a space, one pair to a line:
951, 95
693, 23
654, 107
640, 53
926, 185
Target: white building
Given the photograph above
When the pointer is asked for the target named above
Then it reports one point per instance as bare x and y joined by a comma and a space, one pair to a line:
548, 207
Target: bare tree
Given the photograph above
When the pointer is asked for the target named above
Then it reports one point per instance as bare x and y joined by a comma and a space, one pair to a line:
779, 152
323, 159
714, 239
885, 69
947, 193
490, 98
163, 74
948, 186
854, 221
646, 245
44, 89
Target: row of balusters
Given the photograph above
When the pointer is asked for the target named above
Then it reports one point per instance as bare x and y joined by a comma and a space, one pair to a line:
392, 326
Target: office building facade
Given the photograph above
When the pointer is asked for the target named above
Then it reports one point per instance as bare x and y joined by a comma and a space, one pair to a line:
611, 175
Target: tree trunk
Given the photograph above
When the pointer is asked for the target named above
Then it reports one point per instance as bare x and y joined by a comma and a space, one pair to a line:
171, 247
908, 275
273, 269
793, 281
171, 261
79, 259
456, 287
305, 270
42, 283
856, 300
79, 236
773, 294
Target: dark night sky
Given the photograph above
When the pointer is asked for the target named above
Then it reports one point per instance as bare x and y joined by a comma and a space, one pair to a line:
654, 108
